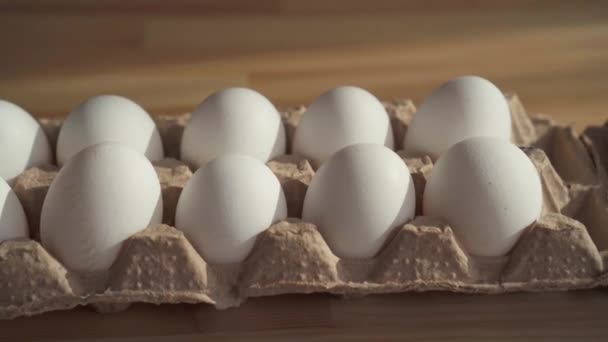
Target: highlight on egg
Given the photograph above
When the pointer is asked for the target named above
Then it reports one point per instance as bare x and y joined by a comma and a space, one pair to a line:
233, 121
13, 222
103, 195
226, 204
488, 191
109, 118
358, 197
23, 143
461, 108
340, 117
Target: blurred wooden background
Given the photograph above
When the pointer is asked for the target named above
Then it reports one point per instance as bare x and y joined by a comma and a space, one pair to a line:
168, 55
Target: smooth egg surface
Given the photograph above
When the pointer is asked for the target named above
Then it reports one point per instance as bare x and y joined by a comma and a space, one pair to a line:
461, 108
102, 196
233, 121
226, 204
13, 222
109, 118
357, 197
340, 117
23, 143
488, 191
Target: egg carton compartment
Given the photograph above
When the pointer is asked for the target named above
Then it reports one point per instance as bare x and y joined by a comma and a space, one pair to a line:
595, 139
568, 152
566, 249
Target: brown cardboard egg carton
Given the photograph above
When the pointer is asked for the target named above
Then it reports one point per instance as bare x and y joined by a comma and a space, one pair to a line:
566, 249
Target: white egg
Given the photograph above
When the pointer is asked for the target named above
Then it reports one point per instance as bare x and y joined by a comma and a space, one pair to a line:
13, 222
226, 204
488, 191
462, 108
23, 143
233, 121
340, 117
108, 118
102, 196
357, 197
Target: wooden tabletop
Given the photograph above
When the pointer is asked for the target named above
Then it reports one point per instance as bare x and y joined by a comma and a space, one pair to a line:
558, 316
169, 56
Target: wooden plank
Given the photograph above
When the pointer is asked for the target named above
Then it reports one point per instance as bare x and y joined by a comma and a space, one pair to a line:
554, 60
212, 7
205, 7
424, 316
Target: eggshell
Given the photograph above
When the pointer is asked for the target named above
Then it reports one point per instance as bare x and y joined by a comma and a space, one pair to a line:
226, 204
102, 196
488, 191
233, 121
340, 117
23, 143
108, 118
13, 223
357, 197
462, 108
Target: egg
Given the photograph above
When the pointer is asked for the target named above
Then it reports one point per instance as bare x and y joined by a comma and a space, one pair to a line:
488, 191
226, 204
340, 117
462, 108
233, 121
13, 222
23, 143
358, 197
108, 118
103, 195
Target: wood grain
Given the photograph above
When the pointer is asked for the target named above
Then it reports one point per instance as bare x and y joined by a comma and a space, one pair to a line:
169, 55
406, 317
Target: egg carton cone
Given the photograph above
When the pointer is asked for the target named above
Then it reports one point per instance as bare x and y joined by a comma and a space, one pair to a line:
566, 249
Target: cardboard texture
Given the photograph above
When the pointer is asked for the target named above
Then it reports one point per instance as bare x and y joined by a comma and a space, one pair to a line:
566, 249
